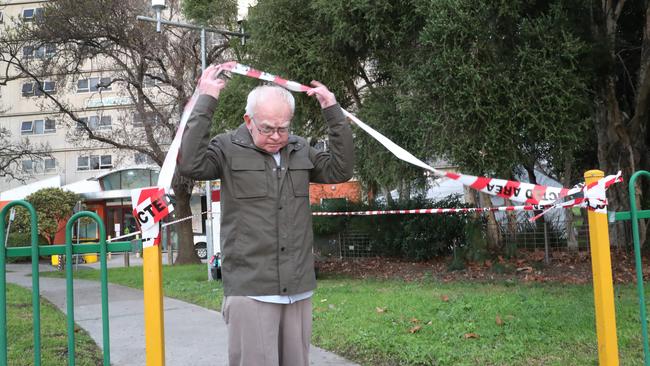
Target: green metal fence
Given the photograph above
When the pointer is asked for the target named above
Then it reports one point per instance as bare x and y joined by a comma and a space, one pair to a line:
69, 249
634, 215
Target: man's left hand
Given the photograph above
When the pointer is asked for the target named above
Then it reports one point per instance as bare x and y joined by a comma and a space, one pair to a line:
325, 97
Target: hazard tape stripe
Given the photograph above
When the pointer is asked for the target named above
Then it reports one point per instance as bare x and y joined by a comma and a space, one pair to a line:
512, 190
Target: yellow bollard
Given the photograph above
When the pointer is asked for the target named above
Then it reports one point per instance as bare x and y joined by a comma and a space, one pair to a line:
153, 306
601, 265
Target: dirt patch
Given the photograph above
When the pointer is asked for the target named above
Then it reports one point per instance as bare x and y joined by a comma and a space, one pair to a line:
564, 267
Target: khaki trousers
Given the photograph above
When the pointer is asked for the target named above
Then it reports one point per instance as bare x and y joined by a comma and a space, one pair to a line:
267, 334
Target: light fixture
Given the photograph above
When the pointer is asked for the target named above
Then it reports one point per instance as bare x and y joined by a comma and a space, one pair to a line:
158, 6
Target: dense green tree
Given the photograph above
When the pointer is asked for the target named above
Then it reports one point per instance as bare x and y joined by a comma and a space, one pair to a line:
496, 87
500, 85
490, 86
53, 206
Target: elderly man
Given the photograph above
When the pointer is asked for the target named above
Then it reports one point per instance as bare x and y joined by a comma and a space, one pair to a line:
266, 228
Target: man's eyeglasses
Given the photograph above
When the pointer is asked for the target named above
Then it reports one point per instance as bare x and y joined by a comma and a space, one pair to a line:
269, 131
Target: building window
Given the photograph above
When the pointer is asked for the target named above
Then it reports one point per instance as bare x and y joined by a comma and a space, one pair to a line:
49, 126
82, 163
106, 162
26, 128
40, 52
139, 119
50, 165
93, 85
95, 122
28, 166
28, 89
29, 15
94, 162
32, 89
28, 51
144, 159
151, 81
46, 86
88, 230
38, 127
47, 165
105, 122
45, 51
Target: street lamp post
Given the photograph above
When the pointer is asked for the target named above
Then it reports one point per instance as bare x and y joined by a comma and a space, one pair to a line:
158, 6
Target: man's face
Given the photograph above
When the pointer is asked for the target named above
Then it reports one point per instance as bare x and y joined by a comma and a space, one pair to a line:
269, 126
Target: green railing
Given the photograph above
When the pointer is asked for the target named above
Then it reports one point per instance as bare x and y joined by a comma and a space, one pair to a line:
69, 249
635, 215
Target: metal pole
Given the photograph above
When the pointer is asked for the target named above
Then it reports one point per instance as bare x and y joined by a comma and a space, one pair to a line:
637, 260
547, 258
12, 215
170, 246
76, 256
601, 263
192, 26
158, 20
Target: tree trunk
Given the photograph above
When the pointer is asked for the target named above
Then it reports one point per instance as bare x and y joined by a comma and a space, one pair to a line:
404, 191
622, 140
493, 233
571, 240
511, 246
614, 153
389, 199
183, 192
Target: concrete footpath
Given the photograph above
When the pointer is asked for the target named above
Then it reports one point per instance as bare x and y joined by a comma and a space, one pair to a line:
193, 335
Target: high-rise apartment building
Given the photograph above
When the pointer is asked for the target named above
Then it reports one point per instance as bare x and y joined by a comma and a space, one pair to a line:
26, 113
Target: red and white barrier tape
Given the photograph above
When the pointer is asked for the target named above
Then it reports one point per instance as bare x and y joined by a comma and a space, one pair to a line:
163, 225
532, 194
433, 211
529, 193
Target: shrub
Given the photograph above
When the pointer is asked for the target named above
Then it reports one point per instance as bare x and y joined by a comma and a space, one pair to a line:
415, 237
20, 239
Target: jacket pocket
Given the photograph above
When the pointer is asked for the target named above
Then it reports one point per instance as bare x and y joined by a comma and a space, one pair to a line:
299, 169
249, 177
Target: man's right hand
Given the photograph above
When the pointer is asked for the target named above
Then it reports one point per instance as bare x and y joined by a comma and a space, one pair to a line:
209, 83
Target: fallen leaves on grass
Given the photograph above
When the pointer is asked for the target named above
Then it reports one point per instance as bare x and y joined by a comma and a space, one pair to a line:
444, 298
380, 310
471, 336
498, 320
564, 267
415, 329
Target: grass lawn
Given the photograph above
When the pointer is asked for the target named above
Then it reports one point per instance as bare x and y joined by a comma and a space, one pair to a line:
430, 323
54, 337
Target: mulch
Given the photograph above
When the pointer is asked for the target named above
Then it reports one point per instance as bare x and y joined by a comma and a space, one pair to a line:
564, 267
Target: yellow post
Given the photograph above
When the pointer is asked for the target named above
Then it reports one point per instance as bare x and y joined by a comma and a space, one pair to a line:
601, 265
153, 306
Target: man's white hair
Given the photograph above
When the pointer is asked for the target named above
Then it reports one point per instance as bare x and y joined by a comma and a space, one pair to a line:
262, 92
